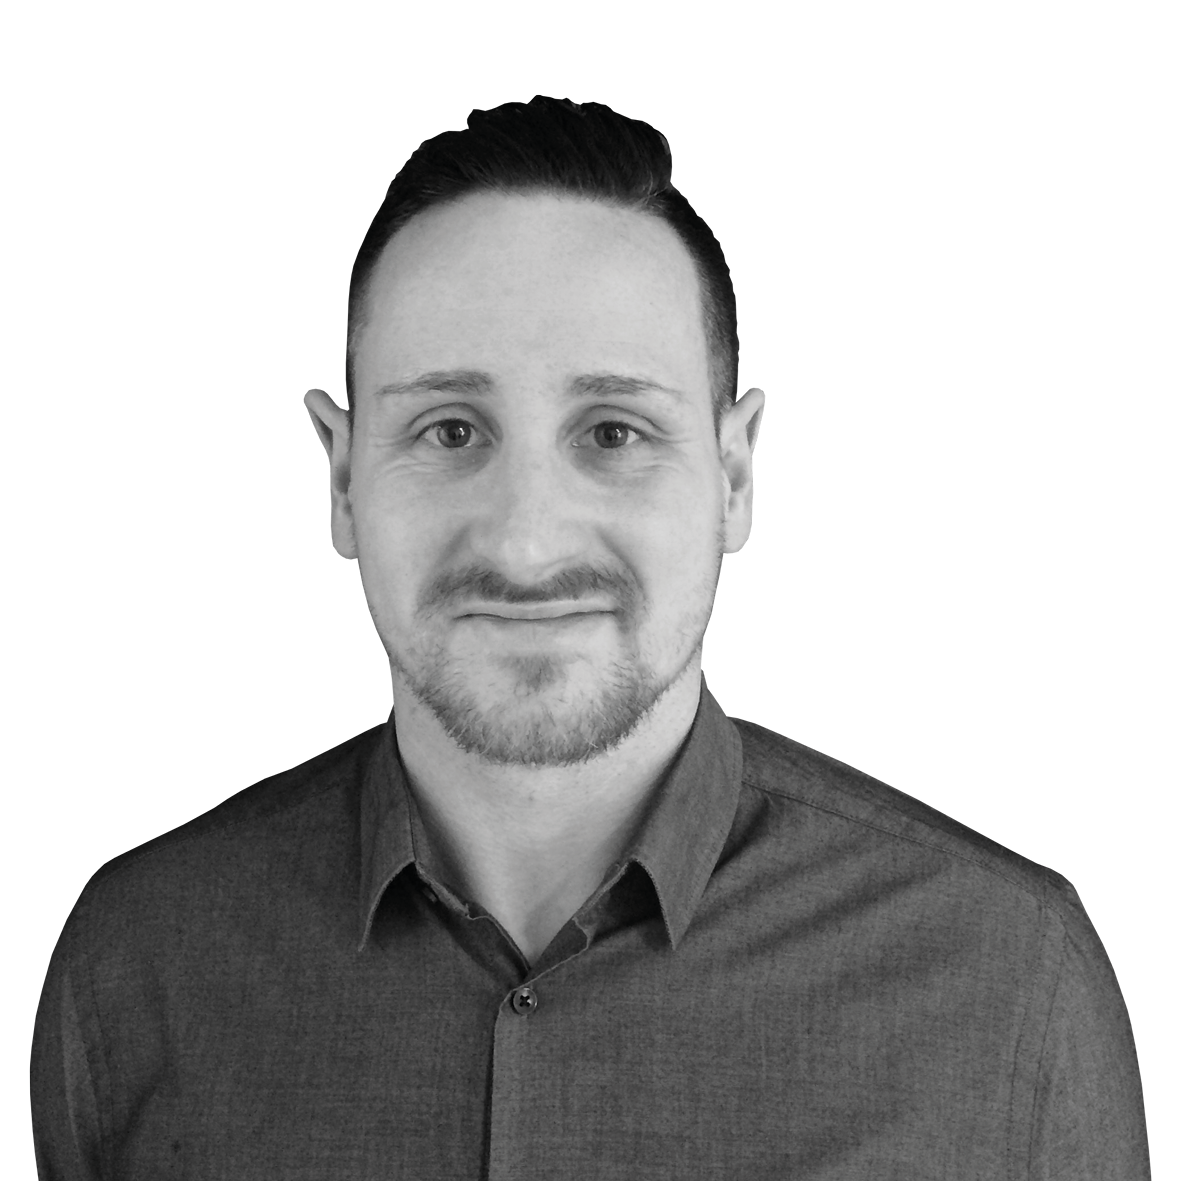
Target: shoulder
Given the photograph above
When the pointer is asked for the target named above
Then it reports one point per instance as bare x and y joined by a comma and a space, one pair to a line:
259, 807
804, 780
997, 950
296, 816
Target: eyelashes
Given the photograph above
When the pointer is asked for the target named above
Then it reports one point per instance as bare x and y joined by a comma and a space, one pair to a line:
612, 436
452, 434
459, 434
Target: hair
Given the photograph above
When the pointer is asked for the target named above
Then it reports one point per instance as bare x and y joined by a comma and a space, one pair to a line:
557, 146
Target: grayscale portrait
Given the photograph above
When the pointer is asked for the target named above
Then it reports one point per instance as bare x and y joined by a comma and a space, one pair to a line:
562, 915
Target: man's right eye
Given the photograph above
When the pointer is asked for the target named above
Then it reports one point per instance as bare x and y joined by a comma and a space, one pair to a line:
452, 433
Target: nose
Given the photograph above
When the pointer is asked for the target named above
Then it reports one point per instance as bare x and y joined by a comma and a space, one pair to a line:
530, 523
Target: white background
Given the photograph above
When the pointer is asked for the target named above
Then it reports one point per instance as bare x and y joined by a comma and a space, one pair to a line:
953, 229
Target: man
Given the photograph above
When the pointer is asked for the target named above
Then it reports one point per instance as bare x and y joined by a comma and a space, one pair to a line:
560, 917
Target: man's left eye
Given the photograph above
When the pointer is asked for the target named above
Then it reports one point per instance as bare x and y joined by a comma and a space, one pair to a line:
612, 435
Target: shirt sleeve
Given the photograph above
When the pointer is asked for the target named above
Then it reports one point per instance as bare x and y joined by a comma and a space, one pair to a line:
1088, 1112
66, 1133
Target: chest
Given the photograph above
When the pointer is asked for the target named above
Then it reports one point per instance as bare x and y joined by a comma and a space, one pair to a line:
787, 1055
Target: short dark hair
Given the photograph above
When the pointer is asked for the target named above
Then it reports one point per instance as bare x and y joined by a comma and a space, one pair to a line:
558, 146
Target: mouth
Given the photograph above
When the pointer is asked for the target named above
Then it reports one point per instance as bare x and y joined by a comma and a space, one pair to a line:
570, 611
535, 613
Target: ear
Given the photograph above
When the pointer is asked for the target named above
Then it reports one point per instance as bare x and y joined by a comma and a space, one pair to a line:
335, 431
739, 431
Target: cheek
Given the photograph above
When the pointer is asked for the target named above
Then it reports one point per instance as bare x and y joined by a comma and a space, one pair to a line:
675, 545
394, 511
394, 552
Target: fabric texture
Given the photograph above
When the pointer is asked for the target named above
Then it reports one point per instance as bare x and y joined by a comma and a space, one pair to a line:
795, 972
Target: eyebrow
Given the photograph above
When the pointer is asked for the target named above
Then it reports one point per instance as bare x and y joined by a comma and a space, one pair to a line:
465, 382
614, 385
473, 382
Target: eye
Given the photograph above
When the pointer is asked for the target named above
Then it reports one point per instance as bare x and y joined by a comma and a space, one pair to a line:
451, 433
613, 435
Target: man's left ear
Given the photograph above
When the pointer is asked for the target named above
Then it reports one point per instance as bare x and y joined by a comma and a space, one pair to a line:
740, 429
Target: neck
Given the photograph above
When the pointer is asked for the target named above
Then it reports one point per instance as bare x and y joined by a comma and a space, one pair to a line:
531, 844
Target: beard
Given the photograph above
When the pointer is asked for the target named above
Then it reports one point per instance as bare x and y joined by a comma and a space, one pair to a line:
538, 709
545, 721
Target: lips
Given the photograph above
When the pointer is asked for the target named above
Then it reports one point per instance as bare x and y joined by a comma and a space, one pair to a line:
534, 612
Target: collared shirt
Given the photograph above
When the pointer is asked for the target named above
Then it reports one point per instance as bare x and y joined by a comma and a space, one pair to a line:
794, 972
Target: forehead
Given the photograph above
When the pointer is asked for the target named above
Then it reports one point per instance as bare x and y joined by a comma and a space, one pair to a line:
533, 286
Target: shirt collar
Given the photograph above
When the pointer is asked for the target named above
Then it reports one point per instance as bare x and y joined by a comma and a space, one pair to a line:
691, 814
678, 842
387, 843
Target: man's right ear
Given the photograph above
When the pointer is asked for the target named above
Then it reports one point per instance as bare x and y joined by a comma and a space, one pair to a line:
333, 427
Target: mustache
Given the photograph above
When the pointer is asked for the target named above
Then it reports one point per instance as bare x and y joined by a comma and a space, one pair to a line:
489, 586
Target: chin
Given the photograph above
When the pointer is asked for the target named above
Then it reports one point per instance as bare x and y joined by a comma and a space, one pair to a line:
539, 710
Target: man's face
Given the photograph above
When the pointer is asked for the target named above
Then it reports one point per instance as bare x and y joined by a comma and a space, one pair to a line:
537, 496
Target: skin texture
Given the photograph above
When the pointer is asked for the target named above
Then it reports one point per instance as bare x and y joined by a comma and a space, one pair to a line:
539, 504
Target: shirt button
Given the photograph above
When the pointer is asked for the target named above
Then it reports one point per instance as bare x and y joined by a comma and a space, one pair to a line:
429, 894
524, 1001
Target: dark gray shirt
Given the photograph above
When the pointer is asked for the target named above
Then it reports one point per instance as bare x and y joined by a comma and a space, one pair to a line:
795, 972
